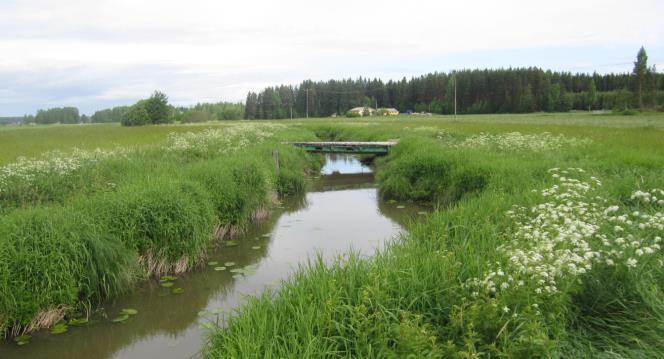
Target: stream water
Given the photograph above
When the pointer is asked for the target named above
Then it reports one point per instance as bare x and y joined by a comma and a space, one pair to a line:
342, 211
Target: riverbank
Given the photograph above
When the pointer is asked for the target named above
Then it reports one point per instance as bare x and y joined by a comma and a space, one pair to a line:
340, 210
546, 241
78, 228
544, 245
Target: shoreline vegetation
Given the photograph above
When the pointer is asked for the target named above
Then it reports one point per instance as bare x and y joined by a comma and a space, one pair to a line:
546, 241
77, 228
544, 245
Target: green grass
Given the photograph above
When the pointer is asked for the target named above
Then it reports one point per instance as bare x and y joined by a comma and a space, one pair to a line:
70, 239
413, 298
92, 231
31, 141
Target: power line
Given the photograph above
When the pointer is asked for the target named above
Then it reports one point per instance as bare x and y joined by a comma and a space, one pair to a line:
611, 65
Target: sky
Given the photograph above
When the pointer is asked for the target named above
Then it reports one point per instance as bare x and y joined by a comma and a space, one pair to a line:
103, 53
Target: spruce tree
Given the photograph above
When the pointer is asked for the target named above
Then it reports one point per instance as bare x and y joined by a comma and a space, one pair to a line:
640, 74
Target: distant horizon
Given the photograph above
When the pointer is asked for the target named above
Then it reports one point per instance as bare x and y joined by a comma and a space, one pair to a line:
242, 100
109, 53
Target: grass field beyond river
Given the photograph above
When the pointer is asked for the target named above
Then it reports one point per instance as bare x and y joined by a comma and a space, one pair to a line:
546, 241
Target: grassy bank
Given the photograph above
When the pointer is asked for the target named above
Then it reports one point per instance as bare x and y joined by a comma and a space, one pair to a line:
547, 243
79, 227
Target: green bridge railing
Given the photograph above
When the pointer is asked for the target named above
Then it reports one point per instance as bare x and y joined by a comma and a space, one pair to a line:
346, 147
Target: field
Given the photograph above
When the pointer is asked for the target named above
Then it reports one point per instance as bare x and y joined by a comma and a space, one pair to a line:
546, 241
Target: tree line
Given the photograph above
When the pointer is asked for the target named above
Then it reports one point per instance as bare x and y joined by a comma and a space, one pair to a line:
153, 110
156, 109
54, 115
202, 112
512, 90
10, 120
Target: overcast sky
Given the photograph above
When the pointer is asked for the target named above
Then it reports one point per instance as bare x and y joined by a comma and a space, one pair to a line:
99, 53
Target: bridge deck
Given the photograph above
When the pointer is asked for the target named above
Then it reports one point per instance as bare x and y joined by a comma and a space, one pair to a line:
346, 147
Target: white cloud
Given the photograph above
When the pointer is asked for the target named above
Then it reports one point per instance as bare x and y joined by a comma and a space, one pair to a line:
202, 49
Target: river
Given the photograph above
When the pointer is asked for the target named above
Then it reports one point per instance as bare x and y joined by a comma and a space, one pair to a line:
341, 211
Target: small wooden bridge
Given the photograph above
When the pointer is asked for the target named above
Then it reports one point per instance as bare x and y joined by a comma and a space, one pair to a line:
346, 147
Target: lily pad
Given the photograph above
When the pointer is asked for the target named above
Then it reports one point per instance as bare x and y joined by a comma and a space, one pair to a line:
166, 284
238, 276
229, 264
59, 328
168, 278
213, 263
248, 270
256, 247
237, 270
129, 311
177, 291
422, 213
219, 268
267, 235
401, 207
207, 326
231, 243
22, 339
217, 310
78, 322
120, 318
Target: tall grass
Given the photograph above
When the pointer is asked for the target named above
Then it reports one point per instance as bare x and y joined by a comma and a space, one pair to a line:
90, 234
414, 172
53, 258
417, 297
79, 233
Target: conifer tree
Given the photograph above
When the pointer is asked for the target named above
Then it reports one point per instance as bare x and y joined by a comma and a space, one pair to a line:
640, 74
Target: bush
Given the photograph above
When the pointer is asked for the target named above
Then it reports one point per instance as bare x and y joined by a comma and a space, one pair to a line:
197, 116
136, 115
629, 113
158, 109
154, 110
350, 114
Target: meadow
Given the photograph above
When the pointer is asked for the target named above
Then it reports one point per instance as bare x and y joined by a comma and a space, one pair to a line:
546, 241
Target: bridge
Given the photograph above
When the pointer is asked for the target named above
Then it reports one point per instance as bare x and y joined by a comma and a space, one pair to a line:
346, 147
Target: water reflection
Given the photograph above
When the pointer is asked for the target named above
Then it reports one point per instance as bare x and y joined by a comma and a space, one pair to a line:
339, 213
343, 164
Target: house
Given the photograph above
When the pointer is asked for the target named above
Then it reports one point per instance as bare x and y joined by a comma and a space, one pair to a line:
362, 111
389, 111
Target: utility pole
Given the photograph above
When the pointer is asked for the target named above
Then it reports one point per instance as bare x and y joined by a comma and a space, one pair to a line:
455, 98
291, 111
307, 102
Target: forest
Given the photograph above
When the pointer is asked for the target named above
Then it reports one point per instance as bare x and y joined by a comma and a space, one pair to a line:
511, 90
478, 92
